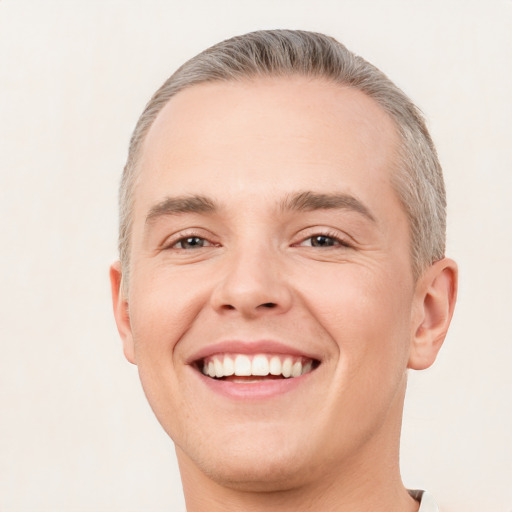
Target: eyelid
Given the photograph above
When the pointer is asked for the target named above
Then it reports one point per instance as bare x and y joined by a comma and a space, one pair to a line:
342, 238
186, 238
172, 240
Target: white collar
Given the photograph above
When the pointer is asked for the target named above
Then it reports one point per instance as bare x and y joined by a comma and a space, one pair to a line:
427, 502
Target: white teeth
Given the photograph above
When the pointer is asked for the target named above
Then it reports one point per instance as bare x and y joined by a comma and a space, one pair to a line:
260, 365
229, 366
275, 366
219, 368
287, 367
307, 367
242, 366
297, 369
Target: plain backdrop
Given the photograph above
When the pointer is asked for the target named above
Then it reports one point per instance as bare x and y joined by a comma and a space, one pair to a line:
76, 433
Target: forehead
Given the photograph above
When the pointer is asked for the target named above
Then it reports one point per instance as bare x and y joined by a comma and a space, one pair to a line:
291, 132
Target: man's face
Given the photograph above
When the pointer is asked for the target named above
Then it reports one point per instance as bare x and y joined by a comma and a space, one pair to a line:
266, 232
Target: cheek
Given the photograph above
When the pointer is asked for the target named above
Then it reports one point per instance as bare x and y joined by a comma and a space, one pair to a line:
163, 305
162, 309
366, 312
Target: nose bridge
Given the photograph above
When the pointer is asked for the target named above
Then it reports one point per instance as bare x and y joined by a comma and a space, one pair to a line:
252, 281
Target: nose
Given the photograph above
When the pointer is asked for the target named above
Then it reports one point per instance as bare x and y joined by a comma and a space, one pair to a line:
252, 283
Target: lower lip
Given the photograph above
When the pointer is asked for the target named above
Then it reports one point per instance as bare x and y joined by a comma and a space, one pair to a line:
253, 390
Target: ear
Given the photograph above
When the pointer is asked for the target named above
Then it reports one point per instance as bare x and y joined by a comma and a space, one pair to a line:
121, 311
435, 296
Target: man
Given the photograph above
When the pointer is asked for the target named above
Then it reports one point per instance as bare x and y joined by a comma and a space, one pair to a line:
281, 267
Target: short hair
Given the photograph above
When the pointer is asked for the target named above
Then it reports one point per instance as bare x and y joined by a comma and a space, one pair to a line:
417, 179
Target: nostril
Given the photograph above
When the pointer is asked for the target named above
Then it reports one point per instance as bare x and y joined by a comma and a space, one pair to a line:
269, 305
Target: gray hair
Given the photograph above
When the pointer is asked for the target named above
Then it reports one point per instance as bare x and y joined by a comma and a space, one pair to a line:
417, 180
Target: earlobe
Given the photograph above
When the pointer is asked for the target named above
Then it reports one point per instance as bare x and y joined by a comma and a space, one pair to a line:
121, 311
436, 293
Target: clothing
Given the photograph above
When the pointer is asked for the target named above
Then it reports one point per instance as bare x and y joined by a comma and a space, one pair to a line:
427, 503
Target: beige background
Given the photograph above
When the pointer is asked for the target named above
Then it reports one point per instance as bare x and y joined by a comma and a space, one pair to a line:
75, 431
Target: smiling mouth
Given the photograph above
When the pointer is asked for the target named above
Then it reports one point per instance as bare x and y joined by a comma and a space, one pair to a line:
255, 368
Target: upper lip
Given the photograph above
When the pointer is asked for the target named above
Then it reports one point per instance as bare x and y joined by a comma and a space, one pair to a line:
249, 348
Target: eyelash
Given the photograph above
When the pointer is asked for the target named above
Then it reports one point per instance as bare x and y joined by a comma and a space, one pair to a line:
183, 238
338, 241
334, 237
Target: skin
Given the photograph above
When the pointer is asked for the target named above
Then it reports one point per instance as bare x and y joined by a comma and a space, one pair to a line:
257, 272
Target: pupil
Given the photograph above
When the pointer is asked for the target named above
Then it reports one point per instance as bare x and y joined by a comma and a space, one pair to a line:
193, 241
321, 241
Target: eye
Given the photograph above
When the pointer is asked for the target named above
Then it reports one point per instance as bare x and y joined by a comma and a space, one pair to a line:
191, 242
324, 240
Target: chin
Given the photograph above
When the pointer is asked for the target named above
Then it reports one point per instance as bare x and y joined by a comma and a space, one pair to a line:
255, 474
254, 463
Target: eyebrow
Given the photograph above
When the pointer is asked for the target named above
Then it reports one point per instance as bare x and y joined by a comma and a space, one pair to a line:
301, 201
309, 201
180, 204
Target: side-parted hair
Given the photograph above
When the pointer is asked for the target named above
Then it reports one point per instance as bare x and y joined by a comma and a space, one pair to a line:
417, 178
